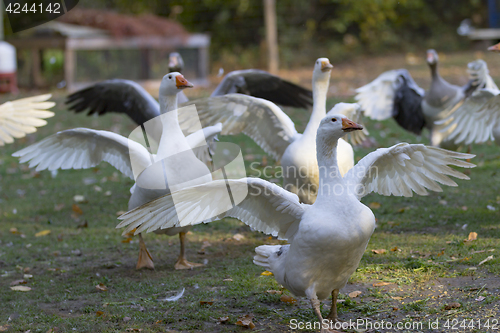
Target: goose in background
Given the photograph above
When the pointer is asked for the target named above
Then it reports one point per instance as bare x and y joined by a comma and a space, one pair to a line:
275, 132
23, 116
83, 148
326, 239
477, 119
126, 96
395, 94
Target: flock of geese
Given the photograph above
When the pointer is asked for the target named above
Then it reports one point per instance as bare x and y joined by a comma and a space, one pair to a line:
318, 210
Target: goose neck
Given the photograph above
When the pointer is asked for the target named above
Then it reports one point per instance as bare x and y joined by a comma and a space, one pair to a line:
330, 179
319, 107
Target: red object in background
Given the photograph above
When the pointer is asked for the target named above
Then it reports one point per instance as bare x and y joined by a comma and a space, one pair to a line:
8, 83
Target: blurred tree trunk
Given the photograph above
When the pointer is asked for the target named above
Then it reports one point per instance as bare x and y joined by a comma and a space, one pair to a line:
271, 35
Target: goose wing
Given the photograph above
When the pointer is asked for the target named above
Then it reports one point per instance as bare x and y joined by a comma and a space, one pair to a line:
404, 168
258, 118
123, 96
259, 204
83, 148
261, 84
23, 116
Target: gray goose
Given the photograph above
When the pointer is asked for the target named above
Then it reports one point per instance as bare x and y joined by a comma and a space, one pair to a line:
395, 94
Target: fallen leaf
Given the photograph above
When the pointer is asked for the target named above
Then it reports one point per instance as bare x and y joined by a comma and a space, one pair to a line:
77, 209
453, 305
480, 298
397, 298
42, 233
246, 321
266, 273
134, 330
223, 320
127, 240
14, 231
20, 288
472, 237
485, 260
381, 284
207, 302
27, 276
56, 253
58, 207
394, 249
440, 253
288, 299
443, 202
355, 294
374, 205
101, 287
272, 292
79, 199
203, 247
238, 237
4, 328
18, 282
99, 313
227, 280
379, 251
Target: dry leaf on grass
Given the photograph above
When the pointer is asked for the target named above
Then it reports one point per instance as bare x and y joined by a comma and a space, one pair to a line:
207, 302
381, 284
79, 199
77, 209
272, 292
4, 328
379, 251
223, 320
227, 280
355, 294
20, 288
480, 298
266, 273
288, 299
238, 237
203, 247
472, 237
374, 205
14, 231
453, 305
127, 240
18, 282
42, 233
101, 287
397, 298
485, 260
246, 321
85, 224
99, 313
394, 249
134, 329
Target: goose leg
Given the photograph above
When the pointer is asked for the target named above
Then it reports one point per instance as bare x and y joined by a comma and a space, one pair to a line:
333, 310
145, 259
182, 262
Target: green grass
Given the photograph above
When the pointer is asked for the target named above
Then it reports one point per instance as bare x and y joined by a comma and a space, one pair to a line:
428, 269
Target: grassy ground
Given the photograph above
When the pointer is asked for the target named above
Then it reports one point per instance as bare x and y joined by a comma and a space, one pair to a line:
430, 273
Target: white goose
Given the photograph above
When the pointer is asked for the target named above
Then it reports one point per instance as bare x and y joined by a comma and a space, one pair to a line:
275, 132
23, 116
328, 238
85, 148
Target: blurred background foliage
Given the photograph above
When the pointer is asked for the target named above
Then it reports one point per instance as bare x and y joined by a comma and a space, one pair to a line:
338, 29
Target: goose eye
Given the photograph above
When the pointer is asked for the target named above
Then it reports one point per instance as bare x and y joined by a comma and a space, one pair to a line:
170, 77
334, 119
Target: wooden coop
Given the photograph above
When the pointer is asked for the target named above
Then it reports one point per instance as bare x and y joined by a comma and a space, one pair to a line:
86, 46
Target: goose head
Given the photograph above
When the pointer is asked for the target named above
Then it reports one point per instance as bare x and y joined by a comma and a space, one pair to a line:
175, 62
432, 57
334, 126
494, 48
173, 83
322, 69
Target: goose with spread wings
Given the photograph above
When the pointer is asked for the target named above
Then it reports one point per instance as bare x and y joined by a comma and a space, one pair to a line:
23, 116
326, 239
477, 119
275, 132
395, 94
173, 166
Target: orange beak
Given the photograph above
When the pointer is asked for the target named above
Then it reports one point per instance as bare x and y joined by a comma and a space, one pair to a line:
349, 125
494, 48
181, 82
326, 66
